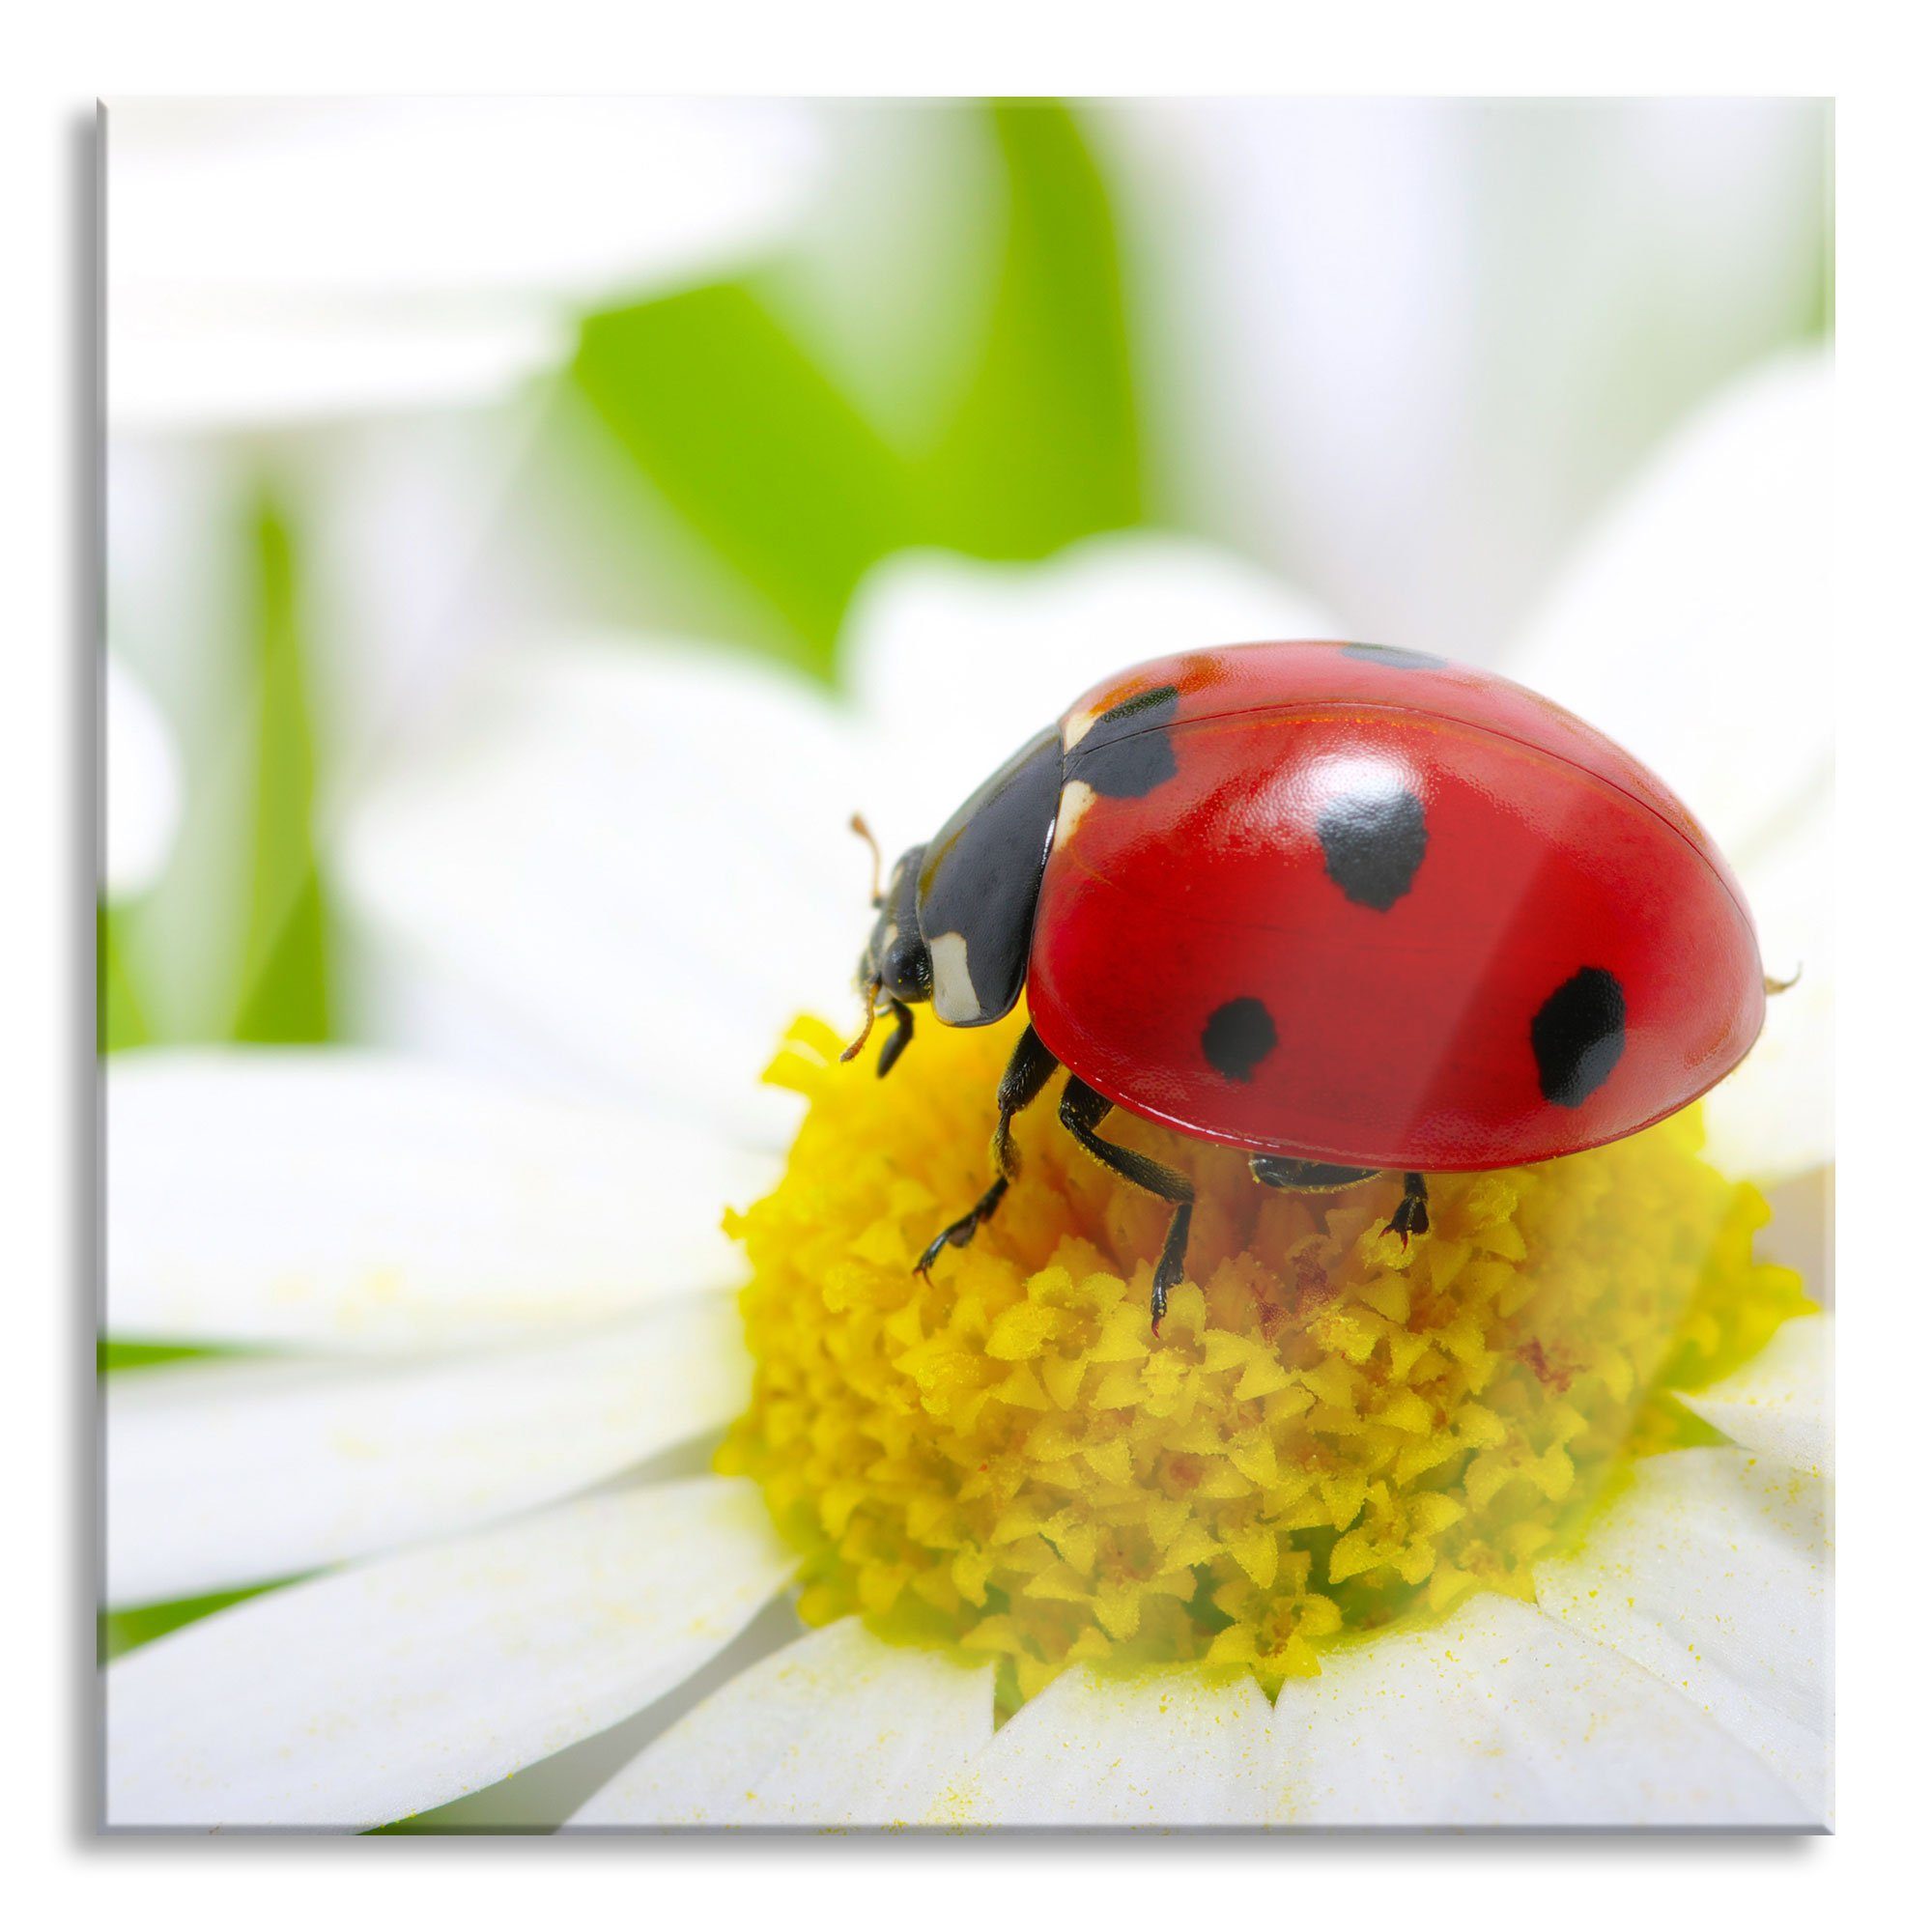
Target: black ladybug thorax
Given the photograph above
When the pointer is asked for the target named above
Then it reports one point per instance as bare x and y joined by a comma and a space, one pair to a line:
979, 885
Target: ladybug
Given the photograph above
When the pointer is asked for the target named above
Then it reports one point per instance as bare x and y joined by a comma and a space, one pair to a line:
1345, 907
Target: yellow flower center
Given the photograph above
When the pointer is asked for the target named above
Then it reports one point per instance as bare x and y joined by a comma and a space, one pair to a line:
1329, 1436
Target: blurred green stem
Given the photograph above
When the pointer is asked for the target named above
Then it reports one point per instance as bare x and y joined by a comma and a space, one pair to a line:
1045, 447
119, 1018
284, 994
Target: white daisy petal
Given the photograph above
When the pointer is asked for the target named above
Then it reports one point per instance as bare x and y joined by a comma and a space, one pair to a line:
1779, 1403
1167, 1748
837, 1729
1773, 1117
1688, 629
1714, 1572
586, 198
1800, 1233
347, 1201
176, 363
278, 260
1500, 1717
143, 784
642, 850
377, 1692
956, 662
1401, 349
225, 1473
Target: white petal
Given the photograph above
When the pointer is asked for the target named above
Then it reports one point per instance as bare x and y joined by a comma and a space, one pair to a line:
1714, 1572
1691, 625
1775, 1115
283, 258
175, 363
376, 1693
350, 1201
1500, 1717
643, 851
386, 198
957, 661
1402, 349
1801, 1234
143, 784
1167, 1748
837, 1729
225, 1473
1779, 1404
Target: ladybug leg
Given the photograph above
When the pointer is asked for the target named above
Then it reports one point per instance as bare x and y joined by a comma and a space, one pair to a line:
1081, 1111
1411, 1214
1027, 1073
1023, 1081
897, 1043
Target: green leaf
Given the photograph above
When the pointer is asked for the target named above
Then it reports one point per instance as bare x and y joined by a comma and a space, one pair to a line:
112, 1357
751, 443
780, 473
118, 1631
1045, 447
285, 961
120, 1019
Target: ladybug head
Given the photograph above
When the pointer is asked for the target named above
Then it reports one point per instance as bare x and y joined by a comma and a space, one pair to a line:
895, 968
897, 963
956, 919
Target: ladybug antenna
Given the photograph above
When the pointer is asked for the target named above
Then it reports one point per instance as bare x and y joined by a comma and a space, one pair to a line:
870, 990
1776, 986
865, 832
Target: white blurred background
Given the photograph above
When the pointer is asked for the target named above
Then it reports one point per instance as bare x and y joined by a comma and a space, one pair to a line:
399, 390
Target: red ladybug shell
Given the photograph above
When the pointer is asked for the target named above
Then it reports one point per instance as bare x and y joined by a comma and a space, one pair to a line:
1366, 907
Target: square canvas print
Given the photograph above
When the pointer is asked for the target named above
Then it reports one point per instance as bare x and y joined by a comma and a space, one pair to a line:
966, 965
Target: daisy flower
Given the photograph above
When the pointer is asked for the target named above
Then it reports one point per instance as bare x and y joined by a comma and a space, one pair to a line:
1528, 1525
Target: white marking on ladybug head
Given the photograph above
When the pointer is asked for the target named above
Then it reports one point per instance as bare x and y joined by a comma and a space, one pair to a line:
1078, 724
1075, 796
954, 999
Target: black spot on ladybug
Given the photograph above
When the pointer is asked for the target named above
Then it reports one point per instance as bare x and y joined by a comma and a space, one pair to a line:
1158, 701
1237, 1038
1125, 752
1129, 769
1374, 840
1578, 1036
1395, 657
